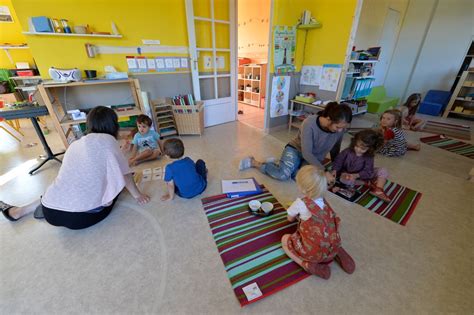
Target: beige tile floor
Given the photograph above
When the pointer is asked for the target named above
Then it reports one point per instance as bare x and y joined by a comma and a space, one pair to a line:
161, 258
253, 116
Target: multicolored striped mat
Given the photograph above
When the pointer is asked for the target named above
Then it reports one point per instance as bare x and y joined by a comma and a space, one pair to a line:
250, 246
399, 210
452, 145
451, 130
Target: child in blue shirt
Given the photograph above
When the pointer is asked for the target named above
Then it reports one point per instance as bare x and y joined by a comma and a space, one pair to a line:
183, 177
145, 142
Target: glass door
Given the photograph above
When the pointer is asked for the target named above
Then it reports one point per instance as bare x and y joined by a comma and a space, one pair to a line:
211, 34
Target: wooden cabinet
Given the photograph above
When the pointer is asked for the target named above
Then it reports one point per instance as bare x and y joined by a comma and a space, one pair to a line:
251, 83
163, 117
462, 100
124, 96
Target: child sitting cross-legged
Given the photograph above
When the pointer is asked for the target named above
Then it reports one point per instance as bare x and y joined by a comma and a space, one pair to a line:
395, 143
355, 165
145, 142
316, 242
183, 177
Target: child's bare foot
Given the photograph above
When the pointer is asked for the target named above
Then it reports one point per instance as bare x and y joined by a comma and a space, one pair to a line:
379, 193
165, 197
414, 147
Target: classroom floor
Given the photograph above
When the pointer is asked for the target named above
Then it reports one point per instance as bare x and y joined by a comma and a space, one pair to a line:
161, 258
252, 115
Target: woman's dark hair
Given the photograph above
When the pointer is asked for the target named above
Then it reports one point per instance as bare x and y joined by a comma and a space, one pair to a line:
102, 119
173, 148
144, 119
412, 110
370, 138
337, 112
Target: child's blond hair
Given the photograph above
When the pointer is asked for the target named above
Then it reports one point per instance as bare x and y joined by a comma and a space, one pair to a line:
312, 181
397, 114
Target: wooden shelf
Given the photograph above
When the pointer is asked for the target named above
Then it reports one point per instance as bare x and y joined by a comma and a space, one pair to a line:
309, 26
134, 112
73, 34
14, 47
462, 114
466, 81
85, 83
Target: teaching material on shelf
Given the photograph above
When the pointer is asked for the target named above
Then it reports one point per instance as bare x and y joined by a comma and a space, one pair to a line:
49, 94
461, 102
235, 188
163, 117
251, 83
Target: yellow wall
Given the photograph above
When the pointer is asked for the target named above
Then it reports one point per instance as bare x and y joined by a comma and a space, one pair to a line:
324, 45
11, 33
164, 20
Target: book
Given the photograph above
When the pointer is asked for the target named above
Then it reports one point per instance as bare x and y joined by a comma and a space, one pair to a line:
235, 188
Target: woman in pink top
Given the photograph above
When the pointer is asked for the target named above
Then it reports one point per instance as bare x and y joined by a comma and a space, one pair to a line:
92, 175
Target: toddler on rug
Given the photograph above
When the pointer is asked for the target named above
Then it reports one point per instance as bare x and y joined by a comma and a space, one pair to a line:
395, 143
316, 242
145, 142
183, 177
355, 165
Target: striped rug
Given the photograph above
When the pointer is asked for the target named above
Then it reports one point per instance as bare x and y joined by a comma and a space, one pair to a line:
452, 145
451, 130
250, 246
399, 210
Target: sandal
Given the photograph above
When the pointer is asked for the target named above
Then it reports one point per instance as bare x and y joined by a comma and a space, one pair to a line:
320, 270
345, 261
4, 207
379, 193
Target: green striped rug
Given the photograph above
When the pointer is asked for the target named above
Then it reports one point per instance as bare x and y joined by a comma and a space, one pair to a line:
452, 145
250, 246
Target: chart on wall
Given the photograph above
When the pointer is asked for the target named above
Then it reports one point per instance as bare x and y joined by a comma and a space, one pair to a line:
330, 77
311, 75
284, 49
279, 97
156, 64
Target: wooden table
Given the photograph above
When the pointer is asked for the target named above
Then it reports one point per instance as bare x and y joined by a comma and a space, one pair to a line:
32, 112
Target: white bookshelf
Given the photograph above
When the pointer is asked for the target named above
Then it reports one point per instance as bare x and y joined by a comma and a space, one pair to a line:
251, 83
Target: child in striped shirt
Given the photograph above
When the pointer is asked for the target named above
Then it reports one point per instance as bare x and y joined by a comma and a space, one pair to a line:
395, 143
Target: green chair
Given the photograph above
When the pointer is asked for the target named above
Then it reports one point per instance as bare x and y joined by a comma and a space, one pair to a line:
378, 101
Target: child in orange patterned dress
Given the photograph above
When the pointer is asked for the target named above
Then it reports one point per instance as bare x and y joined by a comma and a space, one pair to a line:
316, 242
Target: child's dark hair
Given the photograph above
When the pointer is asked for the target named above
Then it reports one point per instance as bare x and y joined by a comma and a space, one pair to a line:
337, 112
173, 148
412, 110
397, 114
102, 119
370, 138
144, 119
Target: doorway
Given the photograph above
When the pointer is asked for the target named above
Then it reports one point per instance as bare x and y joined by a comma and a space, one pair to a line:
253, 28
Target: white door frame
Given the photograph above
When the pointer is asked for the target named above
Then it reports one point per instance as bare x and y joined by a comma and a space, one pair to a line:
216, 103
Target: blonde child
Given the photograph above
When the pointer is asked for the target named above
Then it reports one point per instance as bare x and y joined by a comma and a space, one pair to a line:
395, 143
145, 142
316, 242
409, 109
355, 165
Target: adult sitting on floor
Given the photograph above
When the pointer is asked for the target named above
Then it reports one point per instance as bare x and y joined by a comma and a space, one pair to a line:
93, 173
318, 135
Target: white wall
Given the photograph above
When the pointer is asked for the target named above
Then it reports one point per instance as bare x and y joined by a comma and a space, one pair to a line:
432, 43
372, 18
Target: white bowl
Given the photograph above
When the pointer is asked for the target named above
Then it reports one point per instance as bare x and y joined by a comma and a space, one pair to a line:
267, 207
255, 205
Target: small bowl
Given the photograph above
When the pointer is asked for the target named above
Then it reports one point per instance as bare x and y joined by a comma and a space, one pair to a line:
267, 207
255, 205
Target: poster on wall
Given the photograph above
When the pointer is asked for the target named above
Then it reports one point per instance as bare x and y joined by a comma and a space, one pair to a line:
284, 49
5, 15
279, 97
330, 77
311, 75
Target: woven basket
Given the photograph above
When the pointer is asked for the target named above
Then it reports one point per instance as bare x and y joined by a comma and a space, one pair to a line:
189, 118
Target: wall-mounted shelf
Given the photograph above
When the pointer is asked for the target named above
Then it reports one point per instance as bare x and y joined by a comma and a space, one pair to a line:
309, 26
72, 34
13, 47
363, 61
